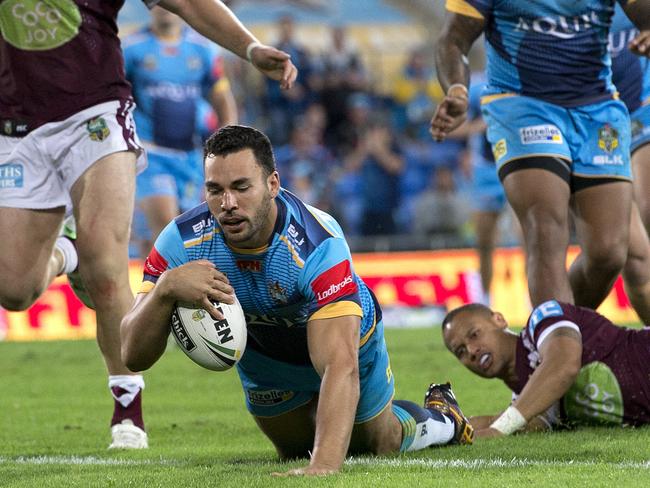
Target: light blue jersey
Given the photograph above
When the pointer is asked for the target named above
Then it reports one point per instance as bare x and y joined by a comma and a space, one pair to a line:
551, 50
168, 81
304, 273
631, 75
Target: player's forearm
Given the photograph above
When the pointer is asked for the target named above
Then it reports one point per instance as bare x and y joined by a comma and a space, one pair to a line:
215, 21
144, 331
451, 65
337, 405
639, 13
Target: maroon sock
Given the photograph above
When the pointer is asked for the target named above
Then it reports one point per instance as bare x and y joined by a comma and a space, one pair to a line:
133, 412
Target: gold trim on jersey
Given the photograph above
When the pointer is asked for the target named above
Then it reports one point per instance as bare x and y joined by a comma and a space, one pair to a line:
200, 240
491, 98
293, 252
337, 309
146, 287
368, 335
463, 8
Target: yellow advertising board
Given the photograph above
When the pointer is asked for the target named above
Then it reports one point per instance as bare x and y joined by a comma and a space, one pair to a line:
408, 279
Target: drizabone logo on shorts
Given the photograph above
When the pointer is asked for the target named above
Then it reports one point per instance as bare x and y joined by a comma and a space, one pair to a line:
540, 134
269, 397
334, 283
37, 25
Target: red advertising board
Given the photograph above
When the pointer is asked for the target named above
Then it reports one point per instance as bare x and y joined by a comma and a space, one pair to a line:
409, 279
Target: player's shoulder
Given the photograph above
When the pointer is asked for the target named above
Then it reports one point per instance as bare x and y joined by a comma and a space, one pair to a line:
307, 227
196, 225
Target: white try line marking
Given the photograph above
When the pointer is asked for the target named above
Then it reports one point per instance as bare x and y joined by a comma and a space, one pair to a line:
85, 460
489, 463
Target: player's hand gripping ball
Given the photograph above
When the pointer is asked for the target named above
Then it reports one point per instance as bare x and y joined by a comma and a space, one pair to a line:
214, 344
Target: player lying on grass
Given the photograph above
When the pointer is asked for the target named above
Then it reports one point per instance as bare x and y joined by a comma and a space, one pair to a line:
568, 366
315, 373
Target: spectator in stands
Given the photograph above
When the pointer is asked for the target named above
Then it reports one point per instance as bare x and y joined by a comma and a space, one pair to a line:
342, 73
441, 209
282, 105
416, 93
307, 163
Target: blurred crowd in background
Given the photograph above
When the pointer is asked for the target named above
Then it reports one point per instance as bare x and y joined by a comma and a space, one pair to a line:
357, 145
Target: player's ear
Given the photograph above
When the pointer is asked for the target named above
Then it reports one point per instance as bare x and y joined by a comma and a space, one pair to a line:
499, 320
273, 183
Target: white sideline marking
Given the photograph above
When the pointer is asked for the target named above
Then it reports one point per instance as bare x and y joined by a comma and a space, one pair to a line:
489, 463
86, 460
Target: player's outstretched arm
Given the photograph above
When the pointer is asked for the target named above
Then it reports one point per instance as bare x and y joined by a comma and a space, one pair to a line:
458, 35
215, 21
145, 328
639, 13
561, 360
334, 351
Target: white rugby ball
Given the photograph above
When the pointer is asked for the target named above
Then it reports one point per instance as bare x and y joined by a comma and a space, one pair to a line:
214, 344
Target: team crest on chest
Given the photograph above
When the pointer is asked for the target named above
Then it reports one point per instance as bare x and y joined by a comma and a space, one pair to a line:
98, 129
607, 138
277, 292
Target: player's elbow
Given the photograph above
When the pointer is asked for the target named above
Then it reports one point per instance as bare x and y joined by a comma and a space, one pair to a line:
570, 371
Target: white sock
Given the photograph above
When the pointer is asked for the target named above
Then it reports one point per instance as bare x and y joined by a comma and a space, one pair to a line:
132, 383
432, 432
69, 253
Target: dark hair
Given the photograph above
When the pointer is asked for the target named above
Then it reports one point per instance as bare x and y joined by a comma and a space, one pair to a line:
234, 138
470, 307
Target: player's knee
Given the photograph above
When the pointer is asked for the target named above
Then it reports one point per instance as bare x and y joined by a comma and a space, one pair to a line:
18, 293
608, 257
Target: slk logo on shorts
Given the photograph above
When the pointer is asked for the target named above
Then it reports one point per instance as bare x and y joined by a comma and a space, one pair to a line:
540, 134
11, 175
268, 397
97, 129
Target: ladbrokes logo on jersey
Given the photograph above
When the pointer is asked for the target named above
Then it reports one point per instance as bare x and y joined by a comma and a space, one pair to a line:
334, 283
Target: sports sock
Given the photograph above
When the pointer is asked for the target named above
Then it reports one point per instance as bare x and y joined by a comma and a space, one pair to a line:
69, 253
127, 392
421, 427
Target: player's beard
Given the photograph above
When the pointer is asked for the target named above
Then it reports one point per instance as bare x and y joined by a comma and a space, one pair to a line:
253, 225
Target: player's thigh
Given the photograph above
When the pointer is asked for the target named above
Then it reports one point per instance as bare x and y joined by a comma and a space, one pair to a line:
641, 170
602, 218
292, 433
103, 201
159, 210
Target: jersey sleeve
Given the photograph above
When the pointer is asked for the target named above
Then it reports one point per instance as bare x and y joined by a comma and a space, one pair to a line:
477, 9
329, 282
474, 109
168, 252
546, 318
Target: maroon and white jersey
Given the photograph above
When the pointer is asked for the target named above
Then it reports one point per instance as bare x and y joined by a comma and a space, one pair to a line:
613, 386
58, 58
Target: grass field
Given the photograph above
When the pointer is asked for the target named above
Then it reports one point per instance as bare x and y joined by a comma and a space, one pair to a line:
55, 408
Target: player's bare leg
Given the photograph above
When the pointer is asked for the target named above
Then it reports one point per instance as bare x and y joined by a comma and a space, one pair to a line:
602, 219
292, 433
103, 208
641, 182
485, 224
28, 263
636, 272
540, 200
159, 210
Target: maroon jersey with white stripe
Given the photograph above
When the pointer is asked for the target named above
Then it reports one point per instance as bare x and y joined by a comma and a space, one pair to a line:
58, 57
613, 386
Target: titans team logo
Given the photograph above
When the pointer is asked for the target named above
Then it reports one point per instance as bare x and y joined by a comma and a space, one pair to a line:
97, 129
277, 292
607, 138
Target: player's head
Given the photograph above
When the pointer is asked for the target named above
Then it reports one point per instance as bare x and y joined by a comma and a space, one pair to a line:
478, 337
241, 183
163, 21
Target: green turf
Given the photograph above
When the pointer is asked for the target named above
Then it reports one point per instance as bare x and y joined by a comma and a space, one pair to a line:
55, 409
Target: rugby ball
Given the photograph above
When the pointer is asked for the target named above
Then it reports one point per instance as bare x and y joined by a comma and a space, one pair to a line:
214, 344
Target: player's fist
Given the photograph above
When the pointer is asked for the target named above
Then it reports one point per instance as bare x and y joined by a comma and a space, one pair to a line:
450, 114
641, 43
275, 64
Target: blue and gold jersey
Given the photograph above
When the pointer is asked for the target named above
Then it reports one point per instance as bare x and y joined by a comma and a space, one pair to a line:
552, 50
304, 273
630, 73
169, 81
